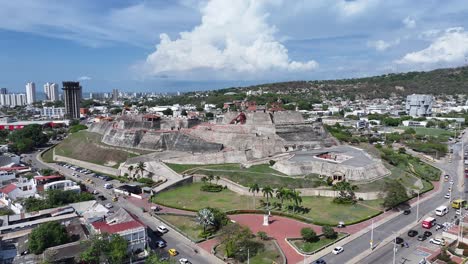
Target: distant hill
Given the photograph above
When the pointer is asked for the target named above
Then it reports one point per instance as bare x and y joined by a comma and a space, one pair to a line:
440, 81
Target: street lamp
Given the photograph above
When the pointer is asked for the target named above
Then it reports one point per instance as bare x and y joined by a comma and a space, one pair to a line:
417, 209
394, 250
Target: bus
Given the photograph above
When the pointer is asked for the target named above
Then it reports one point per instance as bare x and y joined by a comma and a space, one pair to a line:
458, 203
428, 222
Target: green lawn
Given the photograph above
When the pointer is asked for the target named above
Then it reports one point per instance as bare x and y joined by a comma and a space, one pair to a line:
322, 209
48, 156
309, 247
432, 131
186, 224
259, 174
87, 146
269, 255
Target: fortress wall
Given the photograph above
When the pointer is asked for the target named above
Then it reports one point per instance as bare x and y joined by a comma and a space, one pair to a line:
150, 140
369, 172
287, 117
133, 124
211, 158
182, 142
258, 119
100, 127
122, 138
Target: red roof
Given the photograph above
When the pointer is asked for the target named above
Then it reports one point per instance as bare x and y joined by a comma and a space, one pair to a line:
8, 189
116, 228
13, 168
39, 178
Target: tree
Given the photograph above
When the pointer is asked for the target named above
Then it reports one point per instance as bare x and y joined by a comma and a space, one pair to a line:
27, 138
329, 232
296, 197
345, 192
254, 188
117, 249
395, 193
309, 235
204, 179
210, 178
104, 248
167, 112
130, 169
267, 192
141, 166
47, 235
205, 218
155, 259
281, 194
217, 178
209, 115
184, 113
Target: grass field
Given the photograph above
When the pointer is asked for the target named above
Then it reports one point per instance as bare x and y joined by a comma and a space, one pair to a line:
48, 156
322, 209
186, 224
87, 146
269, 255
309, 247
432, 131
246, 176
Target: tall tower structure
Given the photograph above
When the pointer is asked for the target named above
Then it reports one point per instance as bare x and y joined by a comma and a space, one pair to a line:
72, 98
30, 92
51, 91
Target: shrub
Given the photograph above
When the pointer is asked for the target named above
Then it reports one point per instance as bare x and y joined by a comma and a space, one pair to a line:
329, 232
272, 162
309, 235
262, 235
211, 188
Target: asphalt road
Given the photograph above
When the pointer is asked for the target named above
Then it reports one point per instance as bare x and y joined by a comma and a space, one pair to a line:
173, 239
393, 226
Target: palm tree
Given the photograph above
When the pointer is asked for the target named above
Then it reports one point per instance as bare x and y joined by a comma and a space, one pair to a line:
204, 180
254, 188
217, 179
205, 217
141, 167
210, 178
281, 194
296, 197
267, 192
130, 169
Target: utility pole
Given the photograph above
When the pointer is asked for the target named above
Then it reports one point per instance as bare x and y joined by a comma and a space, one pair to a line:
417, 209
394, 249
372, 235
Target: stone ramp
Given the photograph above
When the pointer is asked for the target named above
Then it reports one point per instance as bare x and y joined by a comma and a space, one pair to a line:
287, 117
161, 170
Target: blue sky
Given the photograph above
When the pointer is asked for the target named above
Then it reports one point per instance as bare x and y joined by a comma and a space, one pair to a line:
181, 45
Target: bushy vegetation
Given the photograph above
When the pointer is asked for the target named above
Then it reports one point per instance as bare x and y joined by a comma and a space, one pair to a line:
47, 235
395, 193
309, 235
105, 248
55, 198
236, 239
27, 139
76, 128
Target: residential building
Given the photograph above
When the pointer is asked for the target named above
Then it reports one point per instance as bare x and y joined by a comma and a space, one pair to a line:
53, 112
412, 123
419, 105
30, 92
127, 226
72, 97
13, 99
115, 95
51, 91
65, 185
3, 91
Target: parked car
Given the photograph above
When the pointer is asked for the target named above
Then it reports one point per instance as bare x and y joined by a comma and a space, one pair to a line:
422, 237
162, 229
458, 212
161, 243
341, 225
447, 196
337, 250
320, 261
438, 226
437, 241
108, 205
427, 234
184, 261
412, 233
102, 197
173, 252
399, 240
95, 192
407, 212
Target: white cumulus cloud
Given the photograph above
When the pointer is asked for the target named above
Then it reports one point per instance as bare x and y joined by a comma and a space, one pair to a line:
233, 37
381, 45
409, 22
450, 47
84, 78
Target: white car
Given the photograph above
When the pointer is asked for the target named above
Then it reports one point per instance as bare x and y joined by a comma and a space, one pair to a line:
108, 205
437, 241
184, 261
447, 196
337, 250
451, 182
161, 243
458, 212
162, 229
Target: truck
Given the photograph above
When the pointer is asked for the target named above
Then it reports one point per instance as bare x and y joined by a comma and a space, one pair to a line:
428, 222
458, 203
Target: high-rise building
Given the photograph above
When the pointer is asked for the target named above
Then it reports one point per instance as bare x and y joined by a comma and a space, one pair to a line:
419, 105
51, 91
115, 95
12, 99
3, 91
30, 92
72, 97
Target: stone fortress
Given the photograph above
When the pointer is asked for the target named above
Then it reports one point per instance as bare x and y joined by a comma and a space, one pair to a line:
242, 137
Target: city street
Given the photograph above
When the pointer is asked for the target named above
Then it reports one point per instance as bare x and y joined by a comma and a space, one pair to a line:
404, 222
185, 247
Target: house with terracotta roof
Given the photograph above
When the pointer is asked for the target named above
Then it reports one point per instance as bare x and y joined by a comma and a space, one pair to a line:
126, 225
23, 188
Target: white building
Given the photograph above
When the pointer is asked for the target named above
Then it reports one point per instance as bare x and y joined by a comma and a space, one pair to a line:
53, 112
51, 91
419, 105
30, 92
412, 123
13, 100
65, 185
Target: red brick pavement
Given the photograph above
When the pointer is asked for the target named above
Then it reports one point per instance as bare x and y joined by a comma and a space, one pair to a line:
145, 203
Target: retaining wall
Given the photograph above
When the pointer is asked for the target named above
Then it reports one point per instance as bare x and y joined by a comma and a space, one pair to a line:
86, 165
